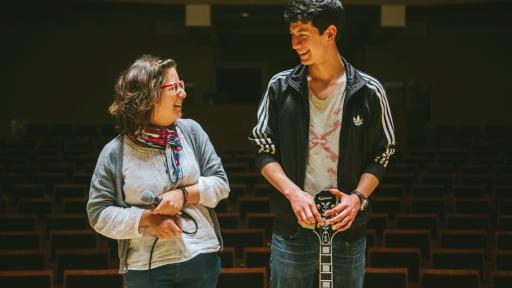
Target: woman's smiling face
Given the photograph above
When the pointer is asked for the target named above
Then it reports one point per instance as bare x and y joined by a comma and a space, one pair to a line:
168, 108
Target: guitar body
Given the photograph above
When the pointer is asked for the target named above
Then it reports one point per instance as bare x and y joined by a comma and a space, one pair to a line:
325, 201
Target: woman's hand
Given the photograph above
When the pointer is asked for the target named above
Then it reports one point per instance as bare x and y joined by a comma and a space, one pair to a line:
170, 204
163, 226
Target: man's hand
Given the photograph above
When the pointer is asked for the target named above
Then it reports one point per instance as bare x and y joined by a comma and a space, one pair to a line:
162, 226
347, 210
171, 203
303, 205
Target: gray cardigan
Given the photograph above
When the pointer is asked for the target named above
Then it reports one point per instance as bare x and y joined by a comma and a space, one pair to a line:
107, 182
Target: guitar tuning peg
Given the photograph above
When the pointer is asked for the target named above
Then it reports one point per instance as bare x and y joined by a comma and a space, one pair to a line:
317, 206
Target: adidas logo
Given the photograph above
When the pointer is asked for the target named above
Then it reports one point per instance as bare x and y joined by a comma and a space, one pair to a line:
357, 120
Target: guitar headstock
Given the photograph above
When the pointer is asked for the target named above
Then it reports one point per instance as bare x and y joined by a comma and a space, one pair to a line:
324, 201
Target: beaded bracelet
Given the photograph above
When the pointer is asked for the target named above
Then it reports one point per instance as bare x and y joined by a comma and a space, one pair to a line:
185, 195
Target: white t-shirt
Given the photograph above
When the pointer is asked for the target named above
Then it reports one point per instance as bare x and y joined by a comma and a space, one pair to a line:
324, 138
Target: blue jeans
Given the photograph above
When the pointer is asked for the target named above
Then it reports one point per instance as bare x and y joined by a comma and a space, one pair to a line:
294, 261
201, 271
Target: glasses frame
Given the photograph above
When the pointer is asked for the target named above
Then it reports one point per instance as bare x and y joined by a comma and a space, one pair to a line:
175, 85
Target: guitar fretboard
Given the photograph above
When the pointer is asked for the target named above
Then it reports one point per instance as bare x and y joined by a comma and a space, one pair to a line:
324, 201
325, 267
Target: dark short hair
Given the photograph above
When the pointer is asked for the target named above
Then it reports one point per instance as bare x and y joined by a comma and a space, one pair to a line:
137, 90
321, 14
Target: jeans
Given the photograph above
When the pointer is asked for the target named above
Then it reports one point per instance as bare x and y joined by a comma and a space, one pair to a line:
201, 271
294, 261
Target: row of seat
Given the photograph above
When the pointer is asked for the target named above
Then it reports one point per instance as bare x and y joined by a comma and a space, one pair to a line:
257, 278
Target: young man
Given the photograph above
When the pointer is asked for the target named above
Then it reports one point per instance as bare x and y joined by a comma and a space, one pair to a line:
323, 124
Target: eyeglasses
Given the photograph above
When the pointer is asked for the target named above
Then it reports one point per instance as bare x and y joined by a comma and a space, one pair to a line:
175, 86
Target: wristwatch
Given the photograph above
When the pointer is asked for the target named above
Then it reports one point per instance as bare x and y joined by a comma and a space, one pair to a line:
362, 198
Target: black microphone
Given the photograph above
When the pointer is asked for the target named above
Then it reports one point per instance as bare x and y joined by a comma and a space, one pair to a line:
150, 199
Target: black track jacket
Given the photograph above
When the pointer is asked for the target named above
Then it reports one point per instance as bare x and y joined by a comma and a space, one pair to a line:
367, 138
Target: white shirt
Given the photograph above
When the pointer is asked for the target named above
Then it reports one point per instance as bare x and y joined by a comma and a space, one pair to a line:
324, 138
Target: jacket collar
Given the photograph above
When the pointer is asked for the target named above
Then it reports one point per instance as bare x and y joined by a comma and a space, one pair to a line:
298, 79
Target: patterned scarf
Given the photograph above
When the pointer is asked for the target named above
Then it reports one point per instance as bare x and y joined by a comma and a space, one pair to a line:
159, 137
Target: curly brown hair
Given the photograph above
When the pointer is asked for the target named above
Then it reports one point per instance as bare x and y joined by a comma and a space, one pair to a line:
137, 90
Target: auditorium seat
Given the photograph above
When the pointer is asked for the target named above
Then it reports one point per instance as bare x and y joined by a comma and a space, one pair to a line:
409, 239
465, 259
437, 168
467, 222
472, 206
466, 191
263, 189
503, 169
80, 259
503, 192
20, 240
428, 206
378, 222
504, 223
81, 177
18, 222
262, 220
504, 260
235, 167
40, 207
248, 204
504, 240
470, 239
33, 259
64, 191
246, 158
405, 179
390, 190
389, 205
384, 257
248, 178
243, 237
385, 278
429, 222
32, 279
237, 190
12, 178
65, 222
474, 168
428, 191
256, 256
72, 239
502, 279
24, 191
504, 207
482, 180
227, 256
255, 277
49, 178
444, 278
74, 205
403, 168
228, 219
503, 180
445, 180
97, 278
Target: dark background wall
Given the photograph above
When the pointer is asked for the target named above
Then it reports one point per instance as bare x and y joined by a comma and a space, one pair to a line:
60, 61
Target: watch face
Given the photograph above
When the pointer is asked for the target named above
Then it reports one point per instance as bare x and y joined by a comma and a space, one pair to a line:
364, 204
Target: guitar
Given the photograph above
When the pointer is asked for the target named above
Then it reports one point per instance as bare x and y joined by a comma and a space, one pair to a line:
325, 201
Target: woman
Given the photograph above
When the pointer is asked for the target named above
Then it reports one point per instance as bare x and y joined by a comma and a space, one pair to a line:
158, 157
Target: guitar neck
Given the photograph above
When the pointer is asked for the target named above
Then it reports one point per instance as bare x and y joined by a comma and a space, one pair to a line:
325, 201
325, 266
